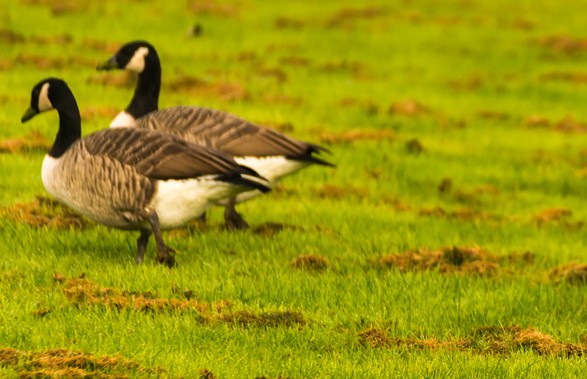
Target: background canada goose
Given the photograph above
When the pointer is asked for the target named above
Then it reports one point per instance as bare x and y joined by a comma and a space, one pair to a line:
272, 154
133, 178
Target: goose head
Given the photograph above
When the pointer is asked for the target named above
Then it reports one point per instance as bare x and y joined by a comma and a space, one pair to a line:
134, 56
49, 93
53, 93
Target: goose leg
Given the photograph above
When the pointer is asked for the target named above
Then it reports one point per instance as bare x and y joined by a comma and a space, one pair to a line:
142, 245
164, 252
232, 219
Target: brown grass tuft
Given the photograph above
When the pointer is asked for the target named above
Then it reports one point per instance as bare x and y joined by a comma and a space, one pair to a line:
573, 273
32, 141
374, 337
294, 60
346, 16
461, 260
269, 229
493, 115
126, 79
199, 87
93, 113
214, 8
463, 214
409, 108
310, 262
564, 44
82, 292
45, 212
564, 76
552, 214
288, 23
355, 135
537, 121
263, 319
63, 363
207, 374
508, 339
10, 37
485, 340
278, 98
414, 146
331, 191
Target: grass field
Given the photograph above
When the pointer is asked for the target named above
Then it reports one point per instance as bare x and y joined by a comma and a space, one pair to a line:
449, 242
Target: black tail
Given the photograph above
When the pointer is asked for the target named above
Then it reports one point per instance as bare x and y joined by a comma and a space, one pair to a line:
310, 158
248, 177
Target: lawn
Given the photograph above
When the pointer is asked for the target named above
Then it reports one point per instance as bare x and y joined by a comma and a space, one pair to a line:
448, 242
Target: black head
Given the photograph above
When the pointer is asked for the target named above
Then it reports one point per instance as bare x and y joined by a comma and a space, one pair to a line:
133, 56
46, 95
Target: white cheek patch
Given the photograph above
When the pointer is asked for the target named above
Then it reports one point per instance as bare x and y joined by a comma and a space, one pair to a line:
44, 102
137, 62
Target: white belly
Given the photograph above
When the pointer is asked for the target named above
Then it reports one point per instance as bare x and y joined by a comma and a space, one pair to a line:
180, 201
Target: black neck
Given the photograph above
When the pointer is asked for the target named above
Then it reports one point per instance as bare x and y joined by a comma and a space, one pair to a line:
70, 129
146, 96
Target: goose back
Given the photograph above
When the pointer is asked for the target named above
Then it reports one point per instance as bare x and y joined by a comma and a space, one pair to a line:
226, 132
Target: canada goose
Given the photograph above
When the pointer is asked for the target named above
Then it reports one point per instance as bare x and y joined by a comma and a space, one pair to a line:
270, 153
132, 178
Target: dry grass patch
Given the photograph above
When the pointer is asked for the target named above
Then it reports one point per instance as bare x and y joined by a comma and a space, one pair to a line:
564, 44
552, 215
270, 229
463, 214
356, 135
44, 212
288, 23
493, 115
508, 339
331, 191
345, 17
459, 260
195, 86
573, 273
485, 340
310, 262
409, 108
63, 363
32, 141
43, 62
572, 77
82, 292
125, 79
214, 8
93, 113
270, 319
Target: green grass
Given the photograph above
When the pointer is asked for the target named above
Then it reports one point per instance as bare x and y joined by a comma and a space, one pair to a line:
459, 60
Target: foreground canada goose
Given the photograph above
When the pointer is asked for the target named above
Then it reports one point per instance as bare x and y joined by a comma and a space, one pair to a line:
132, 178
270, 153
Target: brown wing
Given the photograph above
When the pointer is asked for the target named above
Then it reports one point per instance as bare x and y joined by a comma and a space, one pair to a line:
227, 133
159, 156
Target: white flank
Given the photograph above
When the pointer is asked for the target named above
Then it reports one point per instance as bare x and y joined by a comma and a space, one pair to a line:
49, 175
44, 102
123, 119
48, 172
272, 168
137, 62
179, 201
